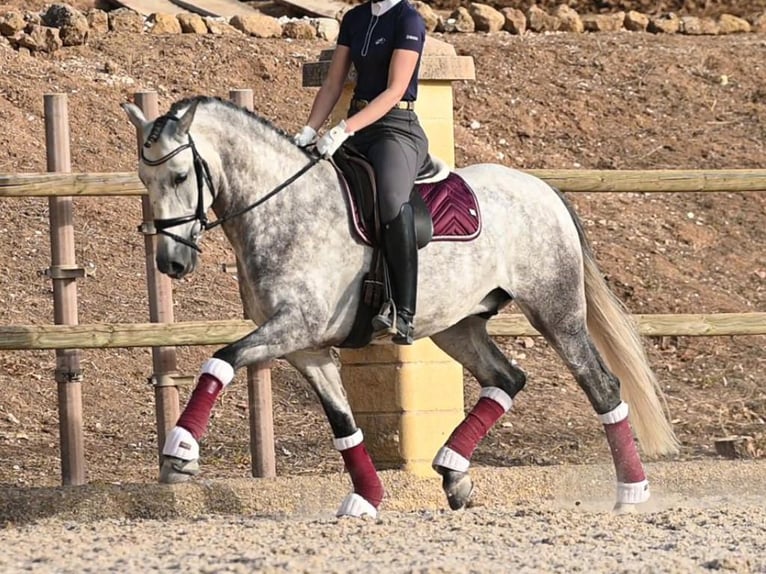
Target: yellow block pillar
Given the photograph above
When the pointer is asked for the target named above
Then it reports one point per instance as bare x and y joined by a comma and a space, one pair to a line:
408, 399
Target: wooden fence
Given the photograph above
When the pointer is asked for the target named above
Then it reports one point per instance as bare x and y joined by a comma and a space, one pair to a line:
162, 334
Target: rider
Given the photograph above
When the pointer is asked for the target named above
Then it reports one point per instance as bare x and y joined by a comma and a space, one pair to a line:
384, 40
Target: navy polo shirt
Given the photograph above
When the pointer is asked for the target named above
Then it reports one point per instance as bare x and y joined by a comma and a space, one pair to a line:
372, 41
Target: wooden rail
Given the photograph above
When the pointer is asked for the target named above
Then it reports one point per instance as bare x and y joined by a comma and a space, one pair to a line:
571, 180
74, 184
122, 335
663, 180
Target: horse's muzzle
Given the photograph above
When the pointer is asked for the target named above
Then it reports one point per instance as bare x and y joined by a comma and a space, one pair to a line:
177, 264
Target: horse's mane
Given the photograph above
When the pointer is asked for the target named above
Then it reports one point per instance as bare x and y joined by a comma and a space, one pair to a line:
176, 107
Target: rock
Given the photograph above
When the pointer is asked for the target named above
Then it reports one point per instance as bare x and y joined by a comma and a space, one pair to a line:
538, 20
73, 25
164, 24
12, 22
191, 23
98, 22
459, 21
327, 28
604, 22
527, 342
693, 26
218, 27
299, 30
126, 20
728, 24
736, 447
569, 19
430, 17
758, 23
636, 21
33, 18
258, 25
486, 18
668, 24
40, 39
515, 21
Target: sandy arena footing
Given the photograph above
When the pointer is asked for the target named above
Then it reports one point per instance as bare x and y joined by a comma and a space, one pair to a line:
703, 516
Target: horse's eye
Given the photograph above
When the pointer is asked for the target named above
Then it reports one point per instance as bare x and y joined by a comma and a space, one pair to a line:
180, 178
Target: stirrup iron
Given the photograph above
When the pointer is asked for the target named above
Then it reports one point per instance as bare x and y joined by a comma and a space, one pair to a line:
385, 320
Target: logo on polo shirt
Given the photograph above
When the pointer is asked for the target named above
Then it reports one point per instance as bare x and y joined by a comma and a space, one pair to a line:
411, 37
380, 41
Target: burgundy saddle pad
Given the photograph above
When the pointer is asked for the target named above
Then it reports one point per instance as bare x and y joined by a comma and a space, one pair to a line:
452, 204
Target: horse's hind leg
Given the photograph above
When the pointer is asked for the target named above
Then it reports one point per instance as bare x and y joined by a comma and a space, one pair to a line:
469, 343
319, 368
568, 335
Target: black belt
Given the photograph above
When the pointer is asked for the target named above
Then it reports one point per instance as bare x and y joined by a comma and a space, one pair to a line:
403, 105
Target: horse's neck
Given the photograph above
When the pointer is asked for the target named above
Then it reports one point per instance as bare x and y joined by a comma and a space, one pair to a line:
254, 159
302, 211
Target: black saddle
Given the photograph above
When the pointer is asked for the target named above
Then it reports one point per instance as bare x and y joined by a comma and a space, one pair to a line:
360, 178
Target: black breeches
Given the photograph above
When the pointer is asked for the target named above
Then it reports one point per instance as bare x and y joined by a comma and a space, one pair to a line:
397, 147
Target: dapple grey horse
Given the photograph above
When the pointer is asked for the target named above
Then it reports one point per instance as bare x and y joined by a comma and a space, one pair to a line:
301, 265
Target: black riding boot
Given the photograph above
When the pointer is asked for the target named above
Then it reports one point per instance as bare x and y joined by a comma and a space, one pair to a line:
401, 251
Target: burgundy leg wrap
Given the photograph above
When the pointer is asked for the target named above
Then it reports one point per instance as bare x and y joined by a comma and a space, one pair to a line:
475, 427
197, 412
363, 474
627, 463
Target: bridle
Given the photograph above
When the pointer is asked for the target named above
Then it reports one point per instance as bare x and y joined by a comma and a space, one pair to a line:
202, 174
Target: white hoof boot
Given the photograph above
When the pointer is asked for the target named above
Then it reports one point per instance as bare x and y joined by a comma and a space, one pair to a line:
180, 457
629, 494
356, 506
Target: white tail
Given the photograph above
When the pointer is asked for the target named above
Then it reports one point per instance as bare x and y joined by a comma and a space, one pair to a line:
617, 339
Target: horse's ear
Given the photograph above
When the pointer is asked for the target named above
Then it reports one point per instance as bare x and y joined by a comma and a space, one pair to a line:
185, 121
136, 116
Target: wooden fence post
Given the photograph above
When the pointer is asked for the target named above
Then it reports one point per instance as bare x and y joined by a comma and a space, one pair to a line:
64, 273
260, 411
160, 292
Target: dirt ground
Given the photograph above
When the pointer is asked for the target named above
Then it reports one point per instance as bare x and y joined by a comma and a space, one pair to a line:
606, 101
526, 519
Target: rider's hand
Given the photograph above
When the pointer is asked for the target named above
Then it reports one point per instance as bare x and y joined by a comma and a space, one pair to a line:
329, 143
306, 136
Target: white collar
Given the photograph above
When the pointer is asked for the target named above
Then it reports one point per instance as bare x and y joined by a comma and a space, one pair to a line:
380, 8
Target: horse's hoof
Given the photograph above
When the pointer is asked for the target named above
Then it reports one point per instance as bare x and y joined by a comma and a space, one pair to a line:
458, 487
175, 470
624, 508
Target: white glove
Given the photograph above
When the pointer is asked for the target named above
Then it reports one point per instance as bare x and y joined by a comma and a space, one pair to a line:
306, 136
329, 143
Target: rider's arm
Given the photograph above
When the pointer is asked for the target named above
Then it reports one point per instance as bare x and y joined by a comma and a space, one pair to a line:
332, 87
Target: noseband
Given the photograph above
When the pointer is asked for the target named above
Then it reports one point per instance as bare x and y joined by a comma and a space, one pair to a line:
202, 173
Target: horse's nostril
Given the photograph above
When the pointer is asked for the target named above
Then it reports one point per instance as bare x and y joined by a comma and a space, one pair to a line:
171, 267
176, 269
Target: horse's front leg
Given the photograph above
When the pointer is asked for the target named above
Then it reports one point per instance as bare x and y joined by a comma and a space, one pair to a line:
323, 374
284, 333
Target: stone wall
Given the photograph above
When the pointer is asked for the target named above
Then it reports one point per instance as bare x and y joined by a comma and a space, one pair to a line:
60, 25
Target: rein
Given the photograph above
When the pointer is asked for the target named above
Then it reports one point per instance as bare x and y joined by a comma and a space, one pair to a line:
202, 173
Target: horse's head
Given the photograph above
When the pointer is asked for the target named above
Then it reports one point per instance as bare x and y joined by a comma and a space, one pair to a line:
179, 185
